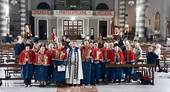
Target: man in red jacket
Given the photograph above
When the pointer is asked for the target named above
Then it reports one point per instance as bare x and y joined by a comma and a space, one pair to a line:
42, 66
59, 59
26, 60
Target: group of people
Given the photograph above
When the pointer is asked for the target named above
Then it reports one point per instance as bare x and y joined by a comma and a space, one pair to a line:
70, 64
67, 63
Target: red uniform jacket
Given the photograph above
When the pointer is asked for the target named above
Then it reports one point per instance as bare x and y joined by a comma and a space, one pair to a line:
97, 54
130, 56
53, 36
105, 52
26, 57
42, 59
50, 53
59, 54
120, 55
85, 53
110, 55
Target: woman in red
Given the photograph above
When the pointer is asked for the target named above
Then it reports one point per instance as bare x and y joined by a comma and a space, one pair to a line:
42, 65
97, 57
26, 60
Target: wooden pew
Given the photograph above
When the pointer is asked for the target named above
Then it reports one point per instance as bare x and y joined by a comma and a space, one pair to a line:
9, 69
6, 46
166, 61
149, 66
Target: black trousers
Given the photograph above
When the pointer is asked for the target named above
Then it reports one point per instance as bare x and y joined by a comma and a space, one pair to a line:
157, 64
27, 81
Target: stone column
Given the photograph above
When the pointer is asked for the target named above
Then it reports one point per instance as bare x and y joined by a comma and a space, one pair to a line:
22, 14
4, 17
122, 11
116, 9
140, 18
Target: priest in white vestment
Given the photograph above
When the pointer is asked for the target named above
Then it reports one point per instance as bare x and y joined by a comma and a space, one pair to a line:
74, 71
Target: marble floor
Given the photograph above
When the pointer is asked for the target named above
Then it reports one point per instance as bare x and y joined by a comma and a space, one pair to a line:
162, 84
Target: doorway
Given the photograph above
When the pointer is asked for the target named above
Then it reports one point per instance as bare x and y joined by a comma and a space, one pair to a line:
43, 29
103, 28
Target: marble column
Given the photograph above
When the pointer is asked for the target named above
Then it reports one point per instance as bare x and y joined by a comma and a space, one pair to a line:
22, 13
140, 18
4, 17
122, 11
116, 11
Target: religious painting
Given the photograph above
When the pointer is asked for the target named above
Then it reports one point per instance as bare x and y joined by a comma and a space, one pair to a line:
157, 21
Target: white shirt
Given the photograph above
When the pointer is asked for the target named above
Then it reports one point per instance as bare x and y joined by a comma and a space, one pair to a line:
73, 56
158, 52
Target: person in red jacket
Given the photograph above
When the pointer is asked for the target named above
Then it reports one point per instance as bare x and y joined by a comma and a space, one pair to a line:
26, 60
42, 65
86, 63
130, 59
110, 56
105, 50
117, 58
97, 57
59, 59
50, 51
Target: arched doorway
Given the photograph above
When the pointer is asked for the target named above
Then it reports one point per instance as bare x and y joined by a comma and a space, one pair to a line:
102, 23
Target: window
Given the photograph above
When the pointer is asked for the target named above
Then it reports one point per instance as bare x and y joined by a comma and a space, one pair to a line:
102, 6
43, 5
73, 29
73, 4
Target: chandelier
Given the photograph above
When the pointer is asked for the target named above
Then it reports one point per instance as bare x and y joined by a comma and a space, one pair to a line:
14, 2
131, 2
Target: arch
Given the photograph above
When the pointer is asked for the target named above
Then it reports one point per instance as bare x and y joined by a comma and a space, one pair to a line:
157, 21
102, 6
43, 5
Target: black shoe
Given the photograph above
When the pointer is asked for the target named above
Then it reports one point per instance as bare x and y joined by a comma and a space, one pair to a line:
128, 81
26, 85
114, 81
119, 81
41, 85
160, 70
48, 82
124, 81
97, 82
